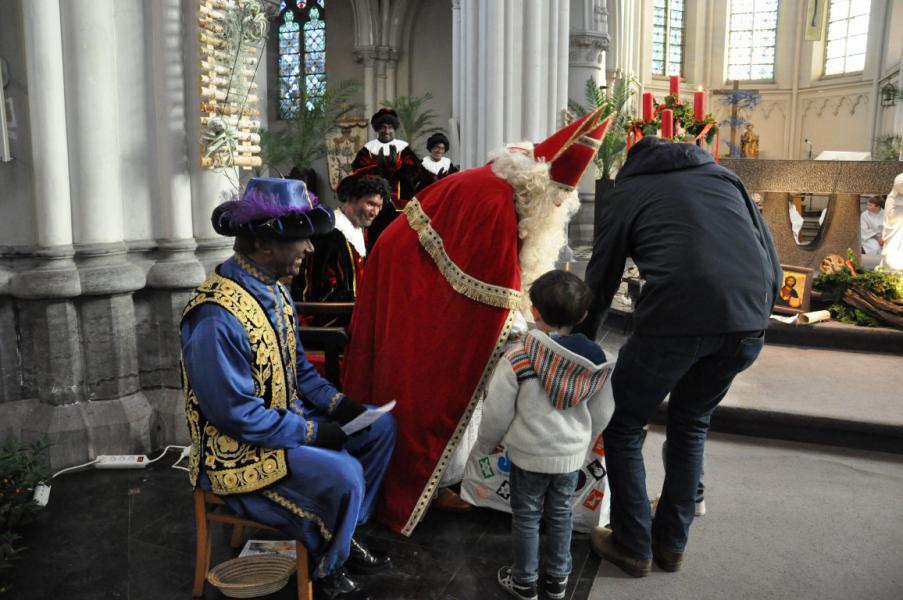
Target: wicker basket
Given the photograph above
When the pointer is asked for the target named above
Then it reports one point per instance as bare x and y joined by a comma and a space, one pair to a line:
252, 576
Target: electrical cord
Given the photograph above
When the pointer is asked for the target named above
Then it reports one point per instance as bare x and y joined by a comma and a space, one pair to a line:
67, 469
185, 450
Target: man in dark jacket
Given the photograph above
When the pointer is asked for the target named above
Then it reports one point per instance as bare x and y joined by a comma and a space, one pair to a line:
711, 273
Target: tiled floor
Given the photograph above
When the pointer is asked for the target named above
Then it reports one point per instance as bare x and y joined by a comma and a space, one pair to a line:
129, 535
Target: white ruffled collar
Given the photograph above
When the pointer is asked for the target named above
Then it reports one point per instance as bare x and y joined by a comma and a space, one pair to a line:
375, 146
354, 235
434, 166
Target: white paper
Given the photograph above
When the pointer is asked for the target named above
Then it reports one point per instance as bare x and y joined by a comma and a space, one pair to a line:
366, 418
281, 547
785, 319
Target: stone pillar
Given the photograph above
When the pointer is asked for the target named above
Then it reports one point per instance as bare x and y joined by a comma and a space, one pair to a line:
177, 270
510, 81
589, 41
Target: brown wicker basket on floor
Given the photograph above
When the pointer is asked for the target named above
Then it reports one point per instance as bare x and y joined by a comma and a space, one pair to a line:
252, 576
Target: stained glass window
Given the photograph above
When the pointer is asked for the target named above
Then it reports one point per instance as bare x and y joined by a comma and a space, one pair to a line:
848, 30
302, 54
753, 31
667, 37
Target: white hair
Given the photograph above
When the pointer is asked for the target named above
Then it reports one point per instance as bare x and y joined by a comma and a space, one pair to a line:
543, 210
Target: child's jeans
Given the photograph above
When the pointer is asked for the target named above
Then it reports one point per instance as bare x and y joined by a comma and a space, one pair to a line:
546, 497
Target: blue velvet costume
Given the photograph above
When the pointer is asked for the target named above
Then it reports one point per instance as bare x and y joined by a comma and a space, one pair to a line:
325, 494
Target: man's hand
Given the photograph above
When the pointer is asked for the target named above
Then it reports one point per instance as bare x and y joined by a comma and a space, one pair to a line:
330, 436
347, 410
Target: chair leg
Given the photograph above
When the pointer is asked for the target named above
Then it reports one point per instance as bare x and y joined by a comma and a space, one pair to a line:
236, 540
202, 546
305, 587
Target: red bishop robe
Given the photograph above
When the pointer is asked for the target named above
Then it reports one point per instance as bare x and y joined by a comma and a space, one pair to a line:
433, 312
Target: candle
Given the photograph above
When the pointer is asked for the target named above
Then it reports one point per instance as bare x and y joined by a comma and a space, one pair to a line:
675, 87
699, 104
667, 123
647, 106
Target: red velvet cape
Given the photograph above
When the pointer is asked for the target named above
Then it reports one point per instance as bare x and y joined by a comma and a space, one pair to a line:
429, 346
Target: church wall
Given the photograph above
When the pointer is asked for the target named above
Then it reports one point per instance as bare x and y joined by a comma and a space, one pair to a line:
16, 218
834, 113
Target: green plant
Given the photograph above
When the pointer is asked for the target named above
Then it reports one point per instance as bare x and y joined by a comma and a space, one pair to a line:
22, 467
888, 147
614, 101
416, 122
886, 285
303, 141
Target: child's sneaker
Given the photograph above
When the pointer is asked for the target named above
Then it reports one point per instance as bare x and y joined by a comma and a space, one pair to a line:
555, 587
526, 591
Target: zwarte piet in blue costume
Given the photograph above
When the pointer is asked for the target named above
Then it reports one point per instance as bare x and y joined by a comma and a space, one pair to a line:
265, 426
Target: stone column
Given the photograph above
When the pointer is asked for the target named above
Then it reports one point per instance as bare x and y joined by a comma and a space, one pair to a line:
510, 81
50, 356
177, 270
589, 41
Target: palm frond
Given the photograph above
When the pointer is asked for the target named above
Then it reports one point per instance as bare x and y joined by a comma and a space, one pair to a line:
416, 122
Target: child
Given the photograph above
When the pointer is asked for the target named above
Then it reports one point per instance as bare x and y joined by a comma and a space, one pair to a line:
545, 401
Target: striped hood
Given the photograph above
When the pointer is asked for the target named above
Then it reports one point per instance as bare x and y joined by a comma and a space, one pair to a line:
567, 378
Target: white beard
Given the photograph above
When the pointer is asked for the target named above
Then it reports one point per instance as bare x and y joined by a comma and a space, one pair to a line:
543, 211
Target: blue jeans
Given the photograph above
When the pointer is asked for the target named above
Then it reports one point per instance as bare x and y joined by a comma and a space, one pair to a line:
697, 371
546, 497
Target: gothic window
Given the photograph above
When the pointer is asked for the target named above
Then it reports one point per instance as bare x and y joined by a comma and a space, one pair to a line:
848, 30
667, 37
301, 30
753, 30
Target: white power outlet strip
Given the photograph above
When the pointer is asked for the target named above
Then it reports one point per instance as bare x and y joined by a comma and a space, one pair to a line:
121, 461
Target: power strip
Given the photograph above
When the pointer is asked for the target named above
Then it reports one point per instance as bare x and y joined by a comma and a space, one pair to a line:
121, 461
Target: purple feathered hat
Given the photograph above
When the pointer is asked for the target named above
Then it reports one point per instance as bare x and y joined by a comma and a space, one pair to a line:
273, 208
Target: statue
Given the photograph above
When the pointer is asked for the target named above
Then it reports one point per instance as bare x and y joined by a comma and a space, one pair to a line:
749, 142
892, 251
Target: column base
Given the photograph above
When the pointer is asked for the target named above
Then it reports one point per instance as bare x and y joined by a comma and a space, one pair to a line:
213, 251
177, 266
105, 269
52, 275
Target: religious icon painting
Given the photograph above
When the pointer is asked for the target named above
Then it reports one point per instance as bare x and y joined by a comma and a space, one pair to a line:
795, 291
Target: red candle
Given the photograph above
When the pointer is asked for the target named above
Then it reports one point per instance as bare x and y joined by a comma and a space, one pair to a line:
699, 104
667, 123
647, 106
675, 87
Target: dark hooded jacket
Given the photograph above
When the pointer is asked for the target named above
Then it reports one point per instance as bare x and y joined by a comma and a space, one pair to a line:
706, 255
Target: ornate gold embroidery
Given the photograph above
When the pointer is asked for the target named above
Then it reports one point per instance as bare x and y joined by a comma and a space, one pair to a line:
461, 282
433, 482
334, 402
309, 436
254, 271
234, 466
288, 504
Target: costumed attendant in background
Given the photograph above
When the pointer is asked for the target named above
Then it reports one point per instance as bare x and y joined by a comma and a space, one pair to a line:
892, 252
435, 165
871, 223
334, 271
394, 161
440, 295
265, 427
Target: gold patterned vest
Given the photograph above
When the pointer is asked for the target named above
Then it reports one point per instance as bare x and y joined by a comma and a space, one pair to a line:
233, 466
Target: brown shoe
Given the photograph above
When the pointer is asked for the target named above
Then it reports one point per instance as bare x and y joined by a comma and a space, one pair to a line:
667, 560
604, 545
449, 501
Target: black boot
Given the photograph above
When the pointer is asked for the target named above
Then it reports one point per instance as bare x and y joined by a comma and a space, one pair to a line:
338, 586
362, 560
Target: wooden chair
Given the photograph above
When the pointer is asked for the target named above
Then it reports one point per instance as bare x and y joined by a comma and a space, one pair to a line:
204, 506
330, 340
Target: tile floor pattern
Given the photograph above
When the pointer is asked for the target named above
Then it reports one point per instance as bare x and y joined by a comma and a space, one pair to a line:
129, 535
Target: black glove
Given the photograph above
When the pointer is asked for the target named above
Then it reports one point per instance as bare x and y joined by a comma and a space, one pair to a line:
347, 410
329, 435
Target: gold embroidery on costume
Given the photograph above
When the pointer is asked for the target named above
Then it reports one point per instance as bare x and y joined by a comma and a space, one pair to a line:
334, 402
461, 282
309, 435
288, 504
254, 271
432, 483
234, 466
